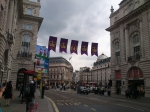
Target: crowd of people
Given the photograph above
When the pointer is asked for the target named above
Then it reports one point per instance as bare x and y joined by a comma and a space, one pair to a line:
132, 93
27, 93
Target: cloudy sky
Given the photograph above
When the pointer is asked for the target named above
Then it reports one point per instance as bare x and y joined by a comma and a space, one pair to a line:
82, 20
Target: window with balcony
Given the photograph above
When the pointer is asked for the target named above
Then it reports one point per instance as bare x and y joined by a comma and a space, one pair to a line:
25, 47
29, 11
25, 43
117, 52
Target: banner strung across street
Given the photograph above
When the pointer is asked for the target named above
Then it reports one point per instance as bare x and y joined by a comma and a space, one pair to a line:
73, 47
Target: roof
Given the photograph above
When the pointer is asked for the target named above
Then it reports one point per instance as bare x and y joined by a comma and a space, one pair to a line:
101, 57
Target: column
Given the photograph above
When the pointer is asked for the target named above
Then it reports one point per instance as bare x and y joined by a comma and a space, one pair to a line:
10, 15
127, 42
141, 39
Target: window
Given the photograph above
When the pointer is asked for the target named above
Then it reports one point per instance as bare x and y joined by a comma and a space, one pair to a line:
116, 18
117, 52
27, 26
29, 11
25, 44
136, 45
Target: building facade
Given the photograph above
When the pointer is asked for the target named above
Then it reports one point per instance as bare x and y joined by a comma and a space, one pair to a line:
18, 36
101, 71
85, 75
60, 71
130, 46
77, 76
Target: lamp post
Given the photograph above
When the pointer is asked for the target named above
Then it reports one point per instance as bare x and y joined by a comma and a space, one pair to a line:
35, 60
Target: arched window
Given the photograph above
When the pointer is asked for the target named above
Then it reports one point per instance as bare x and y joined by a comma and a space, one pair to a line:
136, 45
26, 39
117, 52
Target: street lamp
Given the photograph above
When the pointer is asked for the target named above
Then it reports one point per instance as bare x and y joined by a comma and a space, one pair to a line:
35, 60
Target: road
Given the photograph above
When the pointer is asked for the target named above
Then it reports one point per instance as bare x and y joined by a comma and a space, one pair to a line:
72, 102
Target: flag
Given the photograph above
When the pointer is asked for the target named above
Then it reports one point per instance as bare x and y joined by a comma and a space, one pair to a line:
70, 58
63, 45
52, 43
94, 49
74, 47
84, 48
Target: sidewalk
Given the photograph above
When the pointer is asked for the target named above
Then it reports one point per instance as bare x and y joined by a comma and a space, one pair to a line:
16, 106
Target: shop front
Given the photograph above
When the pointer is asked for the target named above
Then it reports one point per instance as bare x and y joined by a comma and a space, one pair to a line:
136, 80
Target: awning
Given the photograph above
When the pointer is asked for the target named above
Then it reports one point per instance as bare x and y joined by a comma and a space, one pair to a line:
29, 72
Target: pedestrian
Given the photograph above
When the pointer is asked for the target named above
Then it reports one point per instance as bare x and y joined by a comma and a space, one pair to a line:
21, 90
138, 93
29, 94
2, 89
4, 84
8, 94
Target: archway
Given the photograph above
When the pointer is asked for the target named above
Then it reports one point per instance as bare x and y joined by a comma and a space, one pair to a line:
20, 77
136, 79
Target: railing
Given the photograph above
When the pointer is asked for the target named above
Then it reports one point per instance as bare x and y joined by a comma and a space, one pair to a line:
24, 54
9, 37
134, 58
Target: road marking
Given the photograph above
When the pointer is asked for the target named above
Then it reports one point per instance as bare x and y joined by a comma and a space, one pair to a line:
63, 96
97, 100
130, 107
54, 105
93, 109
66, 103
85, 105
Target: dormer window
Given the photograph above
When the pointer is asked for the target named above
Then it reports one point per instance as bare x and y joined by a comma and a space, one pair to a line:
116, 18
130, 8
29, 11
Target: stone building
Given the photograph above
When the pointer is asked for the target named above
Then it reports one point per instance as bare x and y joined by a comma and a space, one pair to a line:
60, 71
77, 76
85, 74
130, 46
20, 23
101, 71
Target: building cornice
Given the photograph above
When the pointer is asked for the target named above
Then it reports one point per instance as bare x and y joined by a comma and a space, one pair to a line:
131, 14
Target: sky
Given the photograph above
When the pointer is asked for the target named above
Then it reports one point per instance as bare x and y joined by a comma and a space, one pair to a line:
82, 20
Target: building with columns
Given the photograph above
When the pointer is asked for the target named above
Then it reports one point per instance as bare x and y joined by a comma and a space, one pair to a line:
130, 46
19, 26
60, 71
101, 71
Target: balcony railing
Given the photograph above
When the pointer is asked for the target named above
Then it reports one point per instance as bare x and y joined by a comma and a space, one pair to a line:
9, 37
24, 54
134, 58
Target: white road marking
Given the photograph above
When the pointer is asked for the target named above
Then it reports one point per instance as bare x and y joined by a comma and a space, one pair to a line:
93, 109
85, 105
97, 100
130, 107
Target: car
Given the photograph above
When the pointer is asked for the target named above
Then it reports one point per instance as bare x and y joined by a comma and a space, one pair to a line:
83, 89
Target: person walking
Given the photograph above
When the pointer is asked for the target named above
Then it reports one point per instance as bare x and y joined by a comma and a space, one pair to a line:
29, 94
8, 93
21, 90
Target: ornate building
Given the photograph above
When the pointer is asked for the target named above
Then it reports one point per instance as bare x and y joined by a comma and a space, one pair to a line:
19, 25
130, 46
60, 71
101, 71
85, 75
